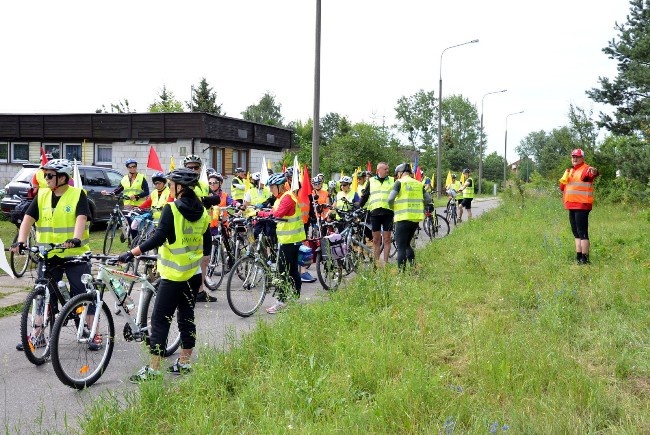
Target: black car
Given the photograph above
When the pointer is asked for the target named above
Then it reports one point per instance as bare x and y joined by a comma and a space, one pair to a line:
94, 180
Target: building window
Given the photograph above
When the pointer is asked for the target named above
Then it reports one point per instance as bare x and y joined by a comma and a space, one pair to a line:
4, 152
53, 149
104, 153
219, 158
242, 134
240, 159
270, 138
72, 151
19, 152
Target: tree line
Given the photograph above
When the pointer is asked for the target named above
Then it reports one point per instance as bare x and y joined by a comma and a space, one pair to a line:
622, 156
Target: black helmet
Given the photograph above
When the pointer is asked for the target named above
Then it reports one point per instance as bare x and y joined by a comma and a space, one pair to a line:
184, 177
403, 167
216, 175
466, 171
158, 176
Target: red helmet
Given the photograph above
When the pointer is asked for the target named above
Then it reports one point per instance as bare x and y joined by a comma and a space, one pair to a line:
577, 153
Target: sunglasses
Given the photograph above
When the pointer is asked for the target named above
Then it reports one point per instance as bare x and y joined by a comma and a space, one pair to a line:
132, 166
49, 176
213, 183
343, 185
194, 168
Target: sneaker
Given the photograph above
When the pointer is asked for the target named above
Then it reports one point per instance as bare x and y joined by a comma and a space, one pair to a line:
146, 373
96, 343
178, 368
306, 277
36, 343
276, 308
204, 297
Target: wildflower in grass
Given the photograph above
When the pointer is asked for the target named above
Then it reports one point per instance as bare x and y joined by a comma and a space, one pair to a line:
450, 424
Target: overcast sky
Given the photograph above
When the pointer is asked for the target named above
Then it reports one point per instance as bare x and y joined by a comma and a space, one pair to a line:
74, 56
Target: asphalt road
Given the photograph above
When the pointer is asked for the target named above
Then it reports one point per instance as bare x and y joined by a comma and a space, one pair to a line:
33, 400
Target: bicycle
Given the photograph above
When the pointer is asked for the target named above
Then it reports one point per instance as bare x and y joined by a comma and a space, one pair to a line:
19, 263
330, 254
87, 315
117, 220
257, 271
435, 225
228, 245
41, 306
452, 209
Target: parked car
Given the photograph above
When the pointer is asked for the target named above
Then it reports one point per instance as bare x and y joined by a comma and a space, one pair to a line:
94, 180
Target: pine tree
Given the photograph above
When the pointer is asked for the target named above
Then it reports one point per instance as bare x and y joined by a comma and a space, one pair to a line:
204, 99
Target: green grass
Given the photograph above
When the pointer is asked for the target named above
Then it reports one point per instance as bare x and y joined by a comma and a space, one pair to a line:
496, 329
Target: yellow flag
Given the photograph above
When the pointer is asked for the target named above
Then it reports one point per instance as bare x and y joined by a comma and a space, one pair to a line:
247, 181
172, 165
462, 178
355, 182
448, 181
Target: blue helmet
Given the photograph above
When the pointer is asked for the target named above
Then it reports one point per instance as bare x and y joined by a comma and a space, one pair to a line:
130, 162
158, 176
276, 179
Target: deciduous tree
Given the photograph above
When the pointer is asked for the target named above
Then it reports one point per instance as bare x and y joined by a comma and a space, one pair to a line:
267, 111
166, 102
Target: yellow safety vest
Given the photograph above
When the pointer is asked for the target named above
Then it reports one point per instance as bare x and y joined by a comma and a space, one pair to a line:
409, 204
56, 225
468, 192
134, 188
180, 260
293, 230
456, 185
379, 193
203, 189
158, 201
258, 196
40, 179
235, 193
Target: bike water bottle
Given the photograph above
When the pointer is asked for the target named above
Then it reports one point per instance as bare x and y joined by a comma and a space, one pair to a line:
120, 293
128, 303
63, 289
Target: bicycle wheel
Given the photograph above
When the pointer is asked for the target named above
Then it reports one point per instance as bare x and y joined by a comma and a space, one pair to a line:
427, 226
111, 229
245, 296
36, 324
216, 267
241, 246
440, 227
74, 363
174, 335
21, 262
329, 272
393, 244
453, 215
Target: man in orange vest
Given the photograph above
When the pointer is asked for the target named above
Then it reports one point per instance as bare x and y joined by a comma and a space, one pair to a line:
577, 183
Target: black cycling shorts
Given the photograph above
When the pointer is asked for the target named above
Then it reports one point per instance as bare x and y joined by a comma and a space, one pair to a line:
385, 221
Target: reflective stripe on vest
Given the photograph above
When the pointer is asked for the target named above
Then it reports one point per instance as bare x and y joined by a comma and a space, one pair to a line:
57, 225
409, 205
468, 192
134, 188
379, 193
292, 230
577, 190
158, 201
180, 260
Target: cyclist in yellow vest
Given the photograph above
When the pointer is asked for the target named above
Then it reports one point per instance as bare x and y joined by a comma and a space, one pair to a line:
455, 185
238, 186
134, 185
375, 198
195, 163
346, 199
290, 234
61, 214
179, 237
407, 198
159, 197
256, 195
467, 190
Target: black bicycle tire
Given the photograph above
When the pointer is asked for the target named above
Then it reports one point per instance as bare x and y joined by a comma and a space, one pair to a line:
219, 267
172, 345
38, 290
67, 312
320, 273
427, 226
109, 236
19, 271
443, 225
229, 292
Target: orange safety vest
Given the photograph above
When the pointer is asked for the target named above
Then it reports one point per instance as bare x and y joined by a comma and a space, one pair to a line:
323, 198
214, 213
578, 194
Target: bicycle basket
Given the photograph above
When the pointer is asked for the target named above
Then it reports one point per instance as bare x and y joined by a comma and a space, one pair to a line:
333, 246
305, 256
17, 215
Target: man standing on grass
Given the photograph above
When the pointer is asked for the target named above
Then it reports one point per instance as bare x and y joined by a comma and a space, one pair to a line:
375, 195
577, 183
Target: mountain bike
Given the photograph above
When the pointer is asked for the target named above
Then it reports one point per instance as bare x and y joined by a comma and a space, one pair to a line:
117, 220
452, 210
252, 276
435, 225
330, 254
87, 316
42, 304
228, 245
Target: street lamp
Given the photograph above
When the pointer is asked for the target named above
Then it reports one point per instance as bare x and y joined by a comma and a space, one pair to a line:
480, 145
505, 147
439, 170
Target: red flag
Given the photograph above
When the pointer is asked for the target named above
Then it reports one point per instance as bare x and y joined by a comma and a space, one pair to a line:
303, 195
418, 174
153, 162
284, 167
369, 166
43, 157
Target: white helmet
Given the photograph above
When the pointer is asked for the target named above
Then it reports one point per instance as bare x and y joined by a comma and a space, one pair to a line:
60, 166
346, 179
255, 176
331, 184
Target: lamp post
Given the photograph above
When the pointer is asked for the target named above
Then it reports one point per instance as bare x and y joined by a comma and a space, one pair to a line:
480, 145
315, 143
505, 147
439, 170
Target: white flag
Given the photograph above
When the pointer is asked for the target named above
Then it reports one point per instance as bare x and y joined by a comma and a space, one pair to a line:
204, 174
76, 176
264, 174
4, 264
296, 175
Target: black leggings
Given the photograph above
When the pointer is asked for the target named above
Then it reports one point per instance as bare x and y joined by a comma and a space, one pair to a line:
173, 296
288, 268
404, 232
579, 220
